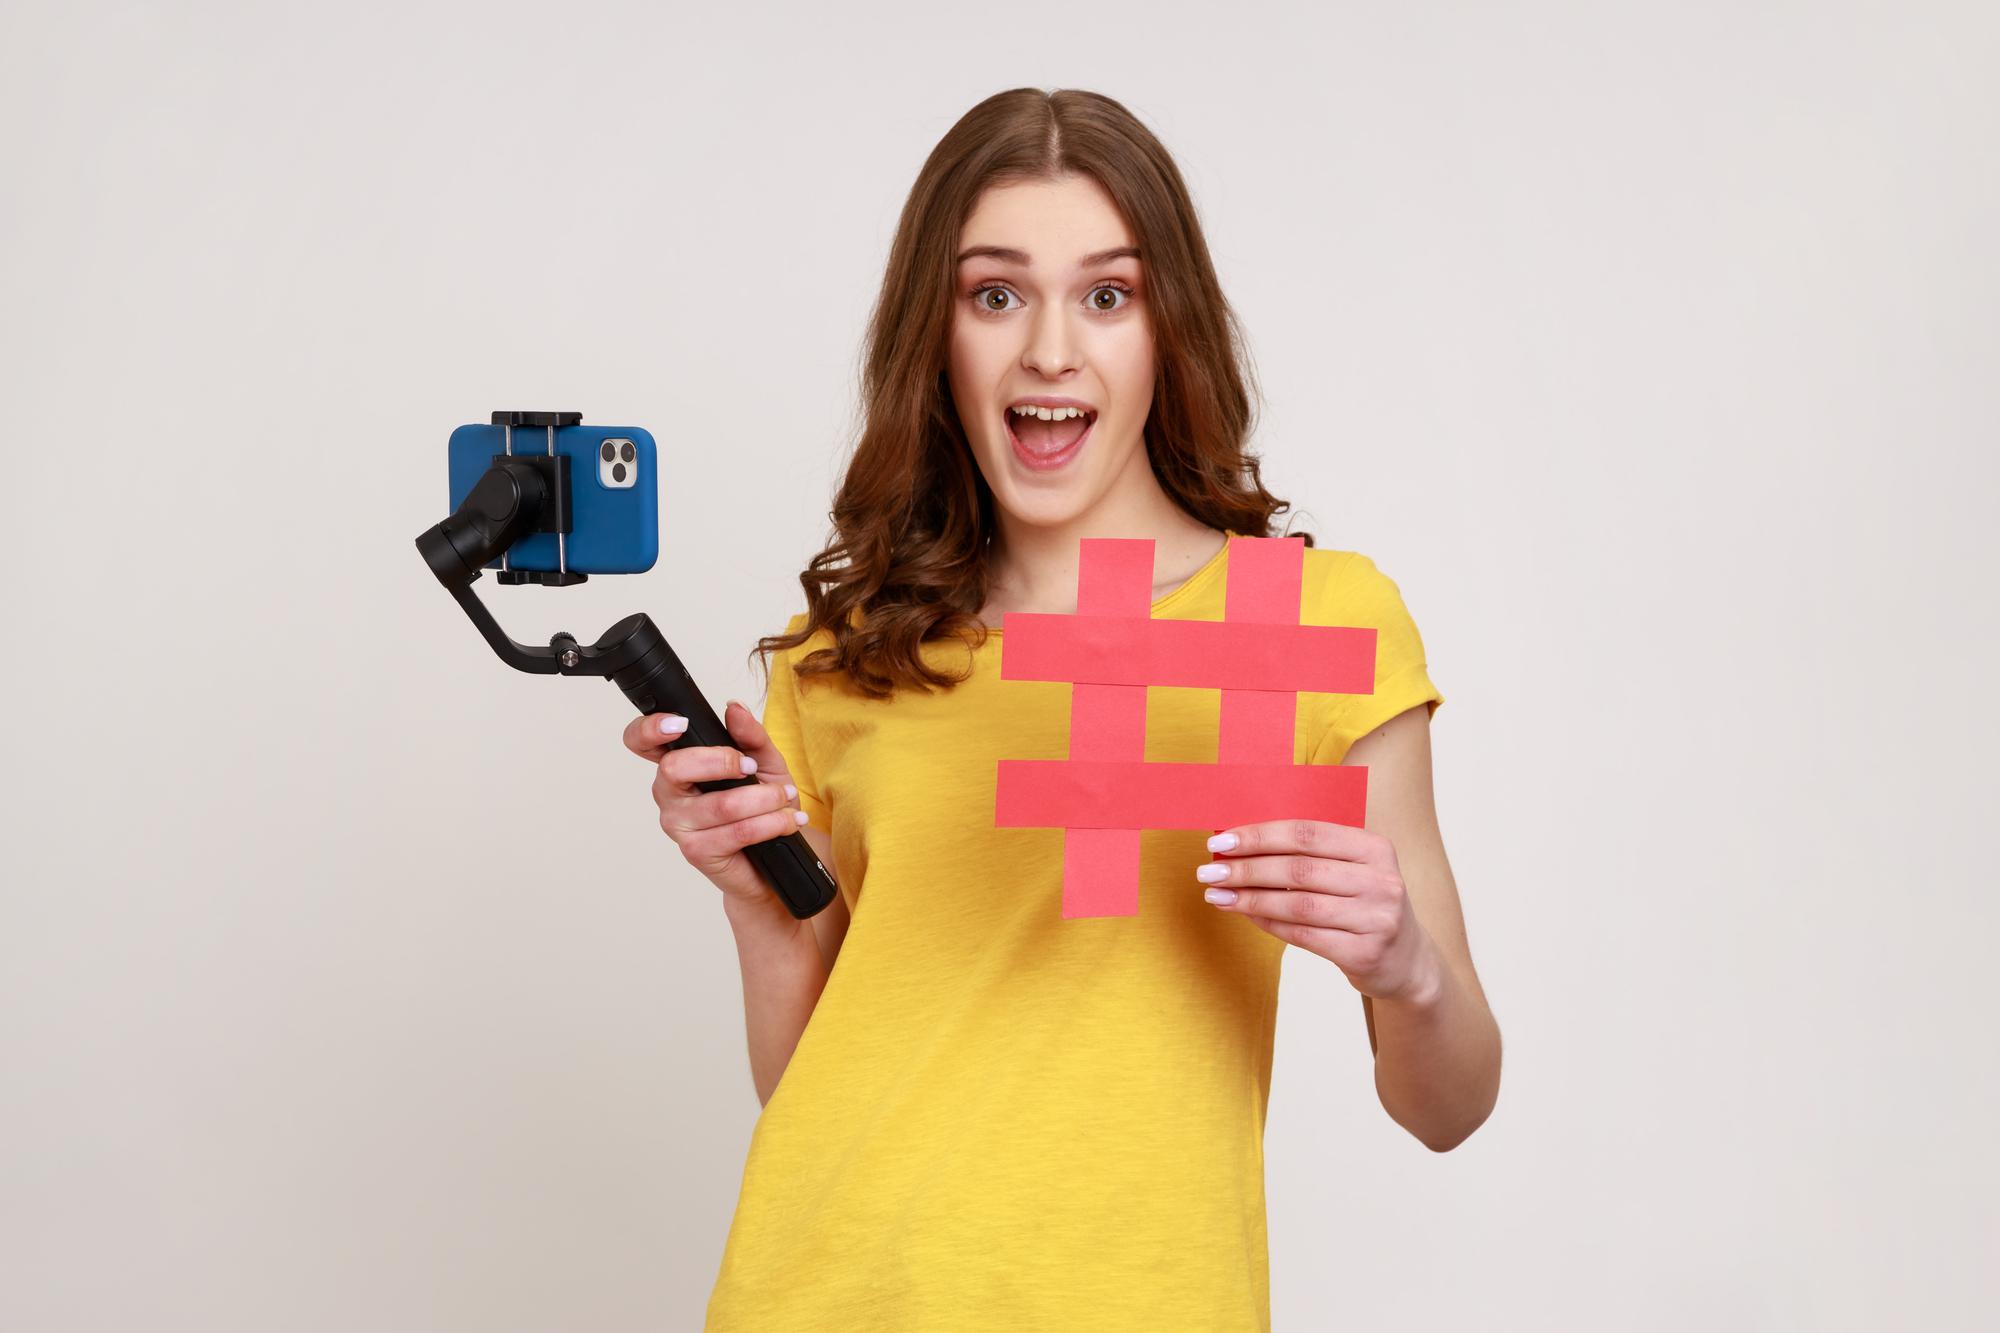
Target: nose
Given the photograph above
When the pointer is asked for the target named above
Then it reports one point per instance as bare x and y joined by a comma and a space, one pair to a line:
1053, 347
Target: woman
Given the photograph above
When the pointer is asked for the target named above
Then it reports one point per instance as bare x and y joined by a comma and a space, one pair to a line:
993, 1114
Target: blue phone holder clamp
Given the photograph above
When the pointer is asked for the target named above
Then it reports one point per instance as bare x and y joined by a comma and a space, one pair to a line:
554, 514
520, 494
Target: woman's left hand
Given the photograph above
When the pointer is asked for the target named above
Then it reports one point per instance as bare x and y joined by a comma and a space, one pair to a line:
1333, 890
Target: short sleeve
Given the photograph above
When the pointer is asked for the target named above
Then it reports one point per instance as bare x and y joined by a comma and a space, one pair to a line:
1365, 596
782, 719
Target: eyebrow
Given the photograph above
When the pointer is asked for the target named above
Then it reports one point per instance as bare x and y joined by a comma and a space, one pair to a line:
1009, 256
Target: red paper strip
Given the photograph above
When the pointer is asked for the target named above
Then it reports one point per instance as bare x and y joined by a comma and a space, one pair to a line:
1265, 584
1107, 723
1075, 794
1199, 654
1100, 872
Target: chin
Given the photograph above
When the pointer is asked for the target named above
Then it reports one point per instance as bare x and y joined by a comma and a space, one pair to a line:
1049, 507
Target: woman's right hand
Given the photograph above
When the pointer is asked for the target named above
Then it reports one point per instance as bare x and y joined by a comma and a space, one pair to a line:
713, 827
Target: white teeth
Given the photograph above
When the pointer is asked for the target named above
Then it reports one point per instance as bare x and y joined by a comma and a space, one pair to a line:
1047, 413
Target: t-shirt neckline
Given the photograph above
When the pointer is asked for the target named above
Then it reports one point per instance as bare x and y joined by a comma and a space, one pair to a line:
1188, 584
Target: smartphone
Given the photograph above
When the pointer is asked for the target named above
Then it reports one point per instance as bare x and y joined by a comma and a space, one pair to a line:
614, 495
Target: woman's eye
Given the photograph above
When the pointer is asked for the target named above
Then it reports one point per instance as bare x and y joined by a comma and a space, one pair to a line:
985, 296
1098, 303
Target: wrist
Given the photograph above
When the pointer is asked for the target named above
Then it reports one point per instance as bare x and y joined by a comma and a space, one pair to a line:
761, 921
1424, 995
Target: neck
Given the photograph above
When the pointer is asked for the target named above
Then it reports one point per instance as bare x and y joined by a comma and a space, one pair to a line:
1033, 566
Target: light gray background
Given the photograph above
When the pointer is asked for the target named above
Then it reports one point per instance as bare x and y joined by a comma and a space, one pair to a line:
348, 980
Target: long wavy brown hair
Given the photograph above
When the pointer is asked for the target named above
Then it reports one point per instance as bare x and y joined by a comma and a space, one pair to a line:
913, 517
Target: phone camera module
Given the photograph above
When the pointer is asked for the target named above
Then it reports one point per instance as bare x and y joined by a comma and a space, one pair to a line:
611, 471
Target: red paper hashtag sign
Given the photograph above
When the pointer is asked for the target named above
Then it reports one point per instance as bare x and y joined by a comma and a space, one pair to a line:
1258, 655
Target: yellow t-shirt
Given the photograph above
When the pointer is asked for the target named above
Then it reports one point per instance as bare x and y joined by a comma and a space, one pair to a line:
998, 1118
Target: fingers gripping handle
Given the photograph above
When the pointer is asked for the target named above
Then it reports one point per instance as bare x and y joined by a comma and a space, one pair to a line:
658, 683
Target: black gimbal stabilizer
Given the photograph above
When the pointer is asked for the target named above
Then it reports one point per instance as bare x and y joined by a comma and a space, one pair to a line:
527, 493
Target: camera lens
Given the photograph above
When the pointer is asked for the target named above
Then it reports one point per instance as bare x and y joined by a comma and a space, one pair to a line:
617, 472
608, 452
628, 452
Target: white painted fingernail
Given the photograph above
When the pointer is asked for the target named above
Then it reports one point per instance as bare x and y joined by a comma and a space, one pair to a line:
790, 791
673, 725
749, 764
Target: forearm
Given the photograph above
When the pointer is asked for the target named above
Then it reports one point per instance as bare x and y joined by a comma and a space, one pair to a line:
1437, 1060
783, 974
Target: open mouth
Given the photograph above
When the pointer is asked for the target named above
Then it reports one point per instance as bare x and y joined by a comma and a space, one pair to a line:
1043, 442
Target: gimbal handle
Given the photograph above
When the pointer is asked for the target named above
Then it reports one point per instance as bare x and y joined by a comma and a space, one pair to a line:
525, 493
